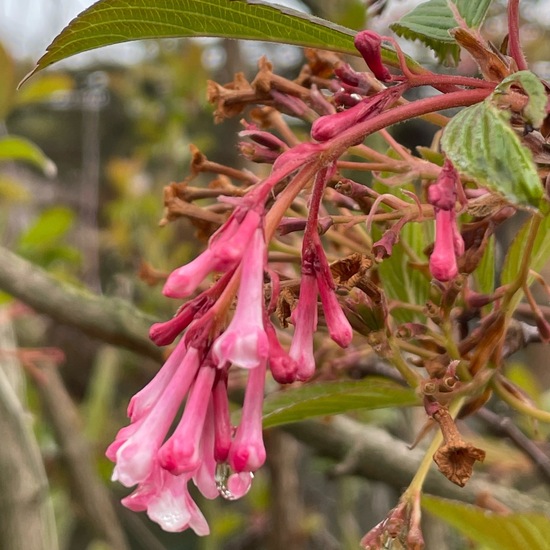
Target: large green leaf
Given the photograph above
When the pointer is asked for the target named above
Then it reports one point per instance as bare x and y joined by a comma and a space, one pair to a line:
15, 148
494, 532
115, 21
431, 21
482, 145
327, 398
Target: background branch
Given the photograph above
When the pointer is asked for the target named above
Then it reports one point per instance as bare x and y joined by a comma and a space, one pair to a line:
109, 319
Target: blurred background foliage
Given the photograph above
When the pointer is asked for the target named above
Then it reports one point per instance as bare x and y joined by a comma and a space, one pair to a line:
84, 155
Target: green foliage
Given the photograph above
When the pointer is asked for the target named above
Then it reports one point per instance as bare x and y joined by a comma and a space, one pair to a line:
401, 280
43, 88
485, 272
15, 148
115, 21
431, 21
535, 110
494, 532
44, 242
327, 398
540, 255
483, 146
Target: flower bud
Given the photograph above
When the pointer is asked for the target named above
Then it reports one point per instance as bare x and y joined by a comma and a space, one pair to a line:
368, 43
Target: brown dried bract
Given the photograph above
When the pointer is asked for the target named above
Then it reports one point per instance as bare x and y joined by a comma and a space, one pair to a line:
150, 275
493, 65
349, 270
456, 458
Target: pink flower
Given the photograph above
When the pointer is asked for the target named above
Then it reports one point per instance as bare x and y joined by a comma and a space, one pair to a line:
369, 45
205, 476
137, 454
283, 368
181, 452
443, 264
143, 401
247, 452
304, 318
448, 241
225, 249
222, 425
330, 126
338, 326
167, 501
244, 342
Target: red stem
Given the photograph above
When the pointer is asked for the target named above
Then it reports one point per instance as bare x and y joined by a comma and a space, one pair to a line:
350, 137
514, 46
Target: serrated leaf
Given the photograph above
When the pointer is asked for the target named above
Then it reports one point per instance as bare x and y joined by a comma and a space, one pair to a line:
535, 110
540, 255
493, 531
431, 21
482, 145
15, 148
114, 21
327, 398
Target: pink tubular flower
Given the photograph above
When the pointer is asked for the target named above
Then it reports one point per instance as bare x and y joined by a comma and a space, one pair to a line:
283, 368
244, 343
222, 425
143, 401
339, 327
247, 452
181, 452
369, 44
330, 126
443, 264
225, 249
448, 241
304, 318
137, 454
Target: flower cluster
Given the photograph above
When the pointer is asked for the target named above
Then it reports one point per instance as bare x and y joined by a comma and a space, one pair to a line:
259, 267
204, 447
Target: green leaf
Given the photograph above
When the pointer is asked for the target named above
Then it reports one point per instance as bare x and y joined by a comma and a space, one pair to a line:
540, 255
485, 273
48, 230
535, 111
401, 281
482, 145
431, 21
115, 21
14, 148
495, 532
42, 89
327, 398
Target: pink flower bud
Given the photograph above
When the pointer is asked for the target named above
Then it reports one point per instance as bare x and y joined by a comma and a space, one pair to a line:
247, 451
181, 452
304, 318
369, 44
443, 264
245, 342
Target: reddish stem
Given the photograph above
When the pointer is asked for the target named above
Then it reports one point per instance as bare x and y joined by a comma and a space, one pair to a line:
350, 137
514, 46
